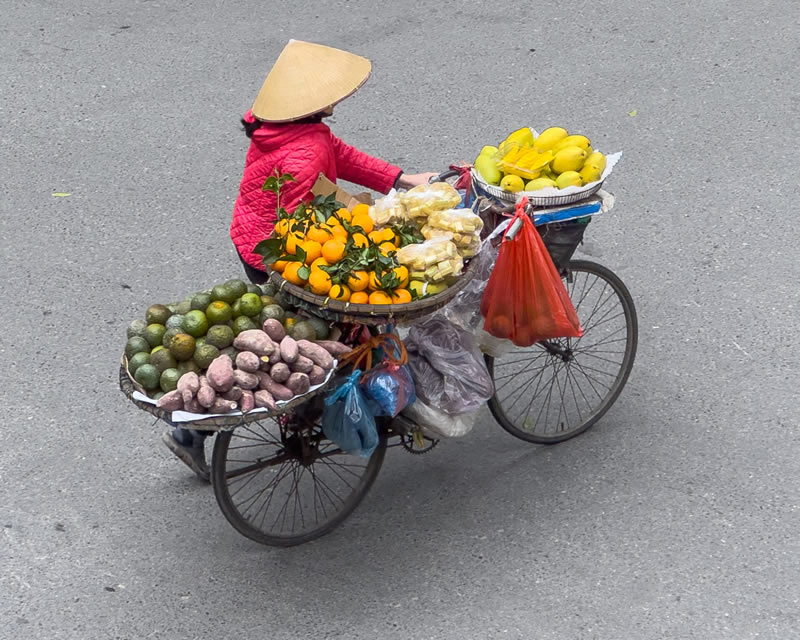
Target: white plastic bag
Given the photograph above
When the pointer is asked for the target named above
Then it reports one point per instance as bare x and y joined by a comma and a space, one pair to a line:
437, 424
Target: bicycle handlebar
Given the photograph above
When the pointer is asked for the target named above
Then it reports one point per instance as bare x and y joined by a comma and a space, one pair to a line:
450, 173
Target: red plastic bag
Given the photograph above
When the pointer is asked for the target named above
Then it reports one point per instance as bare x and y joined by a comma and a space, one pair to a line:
525, 300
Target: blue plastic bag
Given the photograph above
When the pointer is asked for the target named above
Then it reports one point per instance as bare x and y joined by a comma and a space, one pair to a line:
347, 419
390, 387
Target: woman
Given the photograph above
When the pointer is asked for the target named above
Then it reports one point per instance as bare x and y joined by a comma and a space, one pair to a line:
287, 134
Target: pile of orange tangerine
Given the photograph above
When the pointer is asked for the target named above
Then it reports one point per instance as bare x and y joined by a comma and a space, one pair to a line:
346, 258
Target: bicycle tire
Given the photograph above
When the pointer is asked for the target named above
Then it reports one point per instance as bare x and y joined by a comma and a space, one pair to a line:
222, 478
520, 428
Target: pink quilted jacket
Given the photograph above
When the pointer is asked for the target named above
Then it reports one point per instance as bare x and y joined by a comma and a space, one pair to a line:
305, 151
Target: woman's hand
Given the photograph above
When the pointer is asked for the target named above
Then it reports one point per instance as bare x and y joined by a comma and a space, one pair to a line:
410, 180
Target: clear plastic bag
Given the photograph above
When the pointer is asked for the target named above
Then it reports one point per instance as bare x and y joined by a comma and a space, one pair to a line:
465, 308
347, 419
447, 366
462, 221
423, 200
432, 260
436, 424
388, 210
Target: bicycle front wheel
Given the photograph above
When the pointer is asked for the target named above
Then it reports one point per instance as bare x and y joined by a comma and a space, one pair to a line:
557, 389
282, 482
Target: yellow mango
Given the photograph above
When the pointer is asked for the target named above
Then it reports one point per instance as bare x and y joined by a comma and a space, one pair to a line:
571, 141
569, 179
540, 183
533, 159
549, 137
512, 183
589, 174
569, 159
487, 167
523, 136
596, 160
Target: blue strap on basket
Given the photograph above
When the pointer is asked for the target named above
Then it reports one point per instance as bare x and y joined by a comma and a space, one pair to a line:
570, 213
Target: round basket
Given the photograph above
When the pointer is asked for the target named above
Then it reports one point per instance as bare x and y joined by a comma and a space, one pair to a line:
217, 423
484, 188
370, 314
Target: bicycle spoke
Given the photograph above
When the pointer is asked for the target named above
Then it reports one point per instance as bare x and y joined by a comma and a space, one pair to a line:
587, 354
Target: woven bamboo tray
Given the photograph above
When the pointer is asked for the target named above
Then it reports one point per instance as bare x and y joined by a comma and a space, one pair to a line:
218, 423
370, 314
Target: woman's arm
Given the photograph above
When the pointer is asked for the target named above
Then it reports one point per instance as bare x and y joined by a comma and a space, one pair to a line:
361, 168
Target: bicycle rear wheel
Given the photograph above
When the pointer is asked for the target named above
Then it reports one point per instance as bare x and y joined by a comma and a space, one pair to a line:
282, 484
557, 389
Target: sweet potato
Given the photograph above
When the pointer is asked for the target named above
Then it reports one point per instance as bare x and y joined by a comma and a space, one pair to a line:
302, 365
263, 398
193, 406
274, 329
277, 390
172, 401
235, 394
188, 385
289, 350
317, 375
280, 372
247, 361
336, 349
248, 401
316, 354
206, 394
254, 340
298, 383
221, 405
220, 373
266, 362
245, 380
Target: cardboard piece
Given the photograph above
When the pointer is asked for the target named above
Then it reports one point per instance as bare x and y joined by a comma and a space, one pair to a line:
324, 187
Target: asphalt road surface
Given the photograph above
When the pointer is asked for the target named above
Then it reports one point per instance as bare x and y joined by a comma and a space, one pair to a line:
677, 516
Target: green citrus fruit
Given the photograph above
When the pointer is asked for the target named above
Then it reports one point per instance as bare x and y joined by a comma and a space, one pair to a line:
182, 347
137, 328
169, 380
243, 323
205, 354
219, 312
157, 314
195, 323
303, 330
237, 286
175, 321
223, 293
250, 305
186, 366
200, 301
163, 360
220, 336
137, 361
135, 345
147, 376
269, 289
169, 334
154, 334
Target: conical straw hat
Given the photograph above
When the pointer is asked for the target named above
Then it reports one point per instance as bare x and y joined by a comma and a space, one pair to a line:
307, 78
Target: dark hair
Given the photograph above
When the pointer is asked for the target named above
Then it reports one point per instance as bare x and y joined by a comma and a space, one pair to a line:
252, 127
